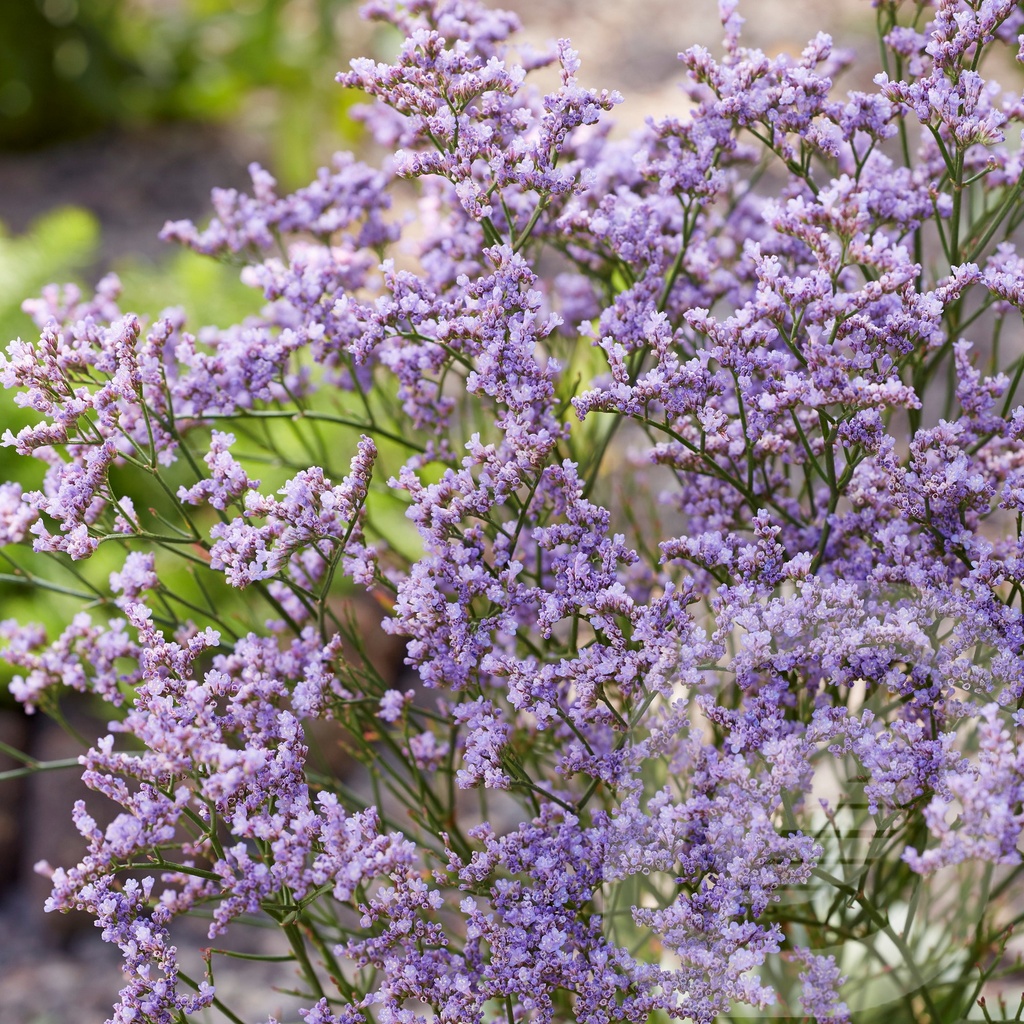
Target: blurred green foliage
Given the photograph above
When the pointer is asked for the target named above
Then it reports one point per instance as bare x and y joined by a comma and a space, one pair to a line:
69, 67
61, 245
58, 248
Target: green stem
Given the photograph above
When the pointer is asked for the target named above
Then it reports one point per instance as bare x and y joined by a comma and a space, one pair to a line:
32, 766
310, 414
898, 941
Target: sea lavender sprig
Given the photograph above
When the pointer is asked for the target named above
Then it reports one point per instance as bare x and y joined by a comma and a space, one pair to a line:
710, 456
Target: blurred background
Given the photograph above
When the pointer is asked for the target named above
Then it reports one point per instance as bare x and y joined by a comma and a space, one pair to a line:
131, 110
116, 115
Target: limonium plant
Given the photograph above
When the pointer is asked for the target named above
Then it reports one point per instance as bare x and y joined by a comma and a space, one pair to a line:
687, 467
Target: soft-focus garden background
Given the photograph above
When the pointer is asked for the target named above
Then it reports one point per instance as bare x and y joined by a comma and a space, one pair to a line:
116, 115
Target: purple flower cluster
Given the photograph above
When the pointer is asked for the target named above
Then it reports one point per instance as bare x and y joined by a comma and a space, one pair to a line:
689, 470
302, 532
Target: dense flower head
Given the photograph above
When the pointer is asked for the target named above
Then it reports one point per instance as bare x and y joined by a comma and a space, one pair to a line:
685, 473
304, 534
